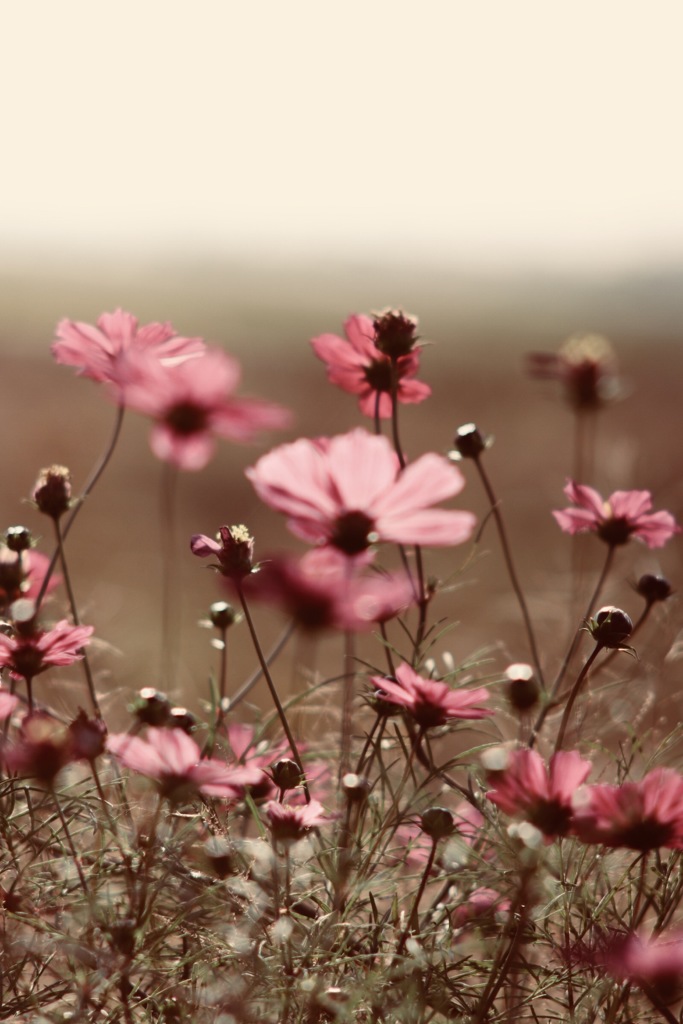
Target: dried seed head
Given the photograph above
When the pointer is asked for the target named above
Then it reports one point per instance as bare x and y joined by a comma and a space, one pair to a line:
52, 492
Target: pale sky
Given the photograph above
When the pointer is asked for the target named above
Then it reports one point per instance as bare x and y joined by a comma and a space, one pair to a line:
539, 132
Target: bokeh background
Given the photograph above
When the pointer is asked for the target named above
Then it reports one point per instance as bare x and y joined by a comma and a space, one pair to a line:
508, 172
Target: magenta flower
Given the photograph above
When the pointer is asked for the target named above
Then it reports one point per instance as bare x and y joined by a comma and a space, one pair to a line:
28, 654
100, 352
288, 824
356, 364
526, 789
174, 761
349, 491
323, 591
233, 547
655, 964
638, 815
193, 403
625, 514
430, 703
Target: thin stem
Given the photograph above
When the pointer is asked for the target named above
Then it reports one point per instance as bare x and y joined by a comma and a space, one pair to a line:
74, 614
95, 475
253, 679
507, 555
413, 921
72, 848
550, 702
169, 606
348, 692
573, 695
273, 692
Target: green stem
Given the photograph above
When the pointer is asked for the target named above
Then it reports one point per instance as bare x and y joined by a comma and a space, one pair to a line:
573, 695
74, 614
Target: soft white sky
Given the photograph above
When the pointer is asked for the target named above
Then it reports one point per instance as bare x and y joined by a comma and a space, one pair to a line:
544, 132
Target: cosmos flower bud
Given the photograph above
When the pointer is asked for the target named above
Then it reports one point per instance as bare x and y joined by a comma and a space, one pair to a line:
181, 718
437, 822
469, 442
151, 707
233, 547
355, 788
611, 627
222, 615
87, 737
654, 588
18, 538
221, 856
285, 774
395, 332
522, 687
52, 492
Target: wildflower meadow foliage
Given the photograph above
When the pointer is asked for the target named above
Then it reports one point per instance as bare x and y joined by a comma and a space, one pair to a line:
414, 836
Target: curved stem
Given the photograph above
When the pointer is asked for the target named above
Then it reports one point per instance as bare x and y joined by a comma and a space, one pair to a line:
95, 475
74, 614
275, 651
550, 703
573, 695
507, 555
273, 692
413, 922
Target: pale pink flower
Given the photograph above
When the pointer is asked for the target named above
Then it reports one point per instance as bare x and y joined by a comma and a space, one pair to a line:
100, 351
431, 703
654, 963
623, 515
585, 365
27, 654
193, 403
174, 761
542, 795
349, 491
483, 907
8, 703
638, 815
356, 364
288, 824
323, 590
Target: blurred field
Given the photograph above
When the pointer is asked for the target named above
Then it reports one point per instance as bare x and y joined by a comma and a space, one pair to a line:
480, 328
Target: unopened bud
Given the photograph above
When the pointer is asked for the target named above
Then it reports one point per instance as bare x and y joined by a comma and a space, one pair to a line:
222, 615
654, 588
181, 718
285, 774
437, 822
18, 538
469, 443
151, 707
611, 627
395, 332
356, 788
52, 492
522, 687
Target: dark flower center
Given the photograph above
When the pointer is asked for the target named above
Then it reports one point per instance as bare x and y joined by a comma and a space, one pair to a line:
186, 418
551, 817
353, 533
27, 661
428, 716
378, 375
615, 531
645, 835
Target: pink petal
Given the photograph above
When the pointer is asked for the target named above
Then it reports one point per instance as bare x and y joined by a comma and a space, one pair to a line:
430, 527
427, 481
362, 469
360, 330
629, 504
586, 498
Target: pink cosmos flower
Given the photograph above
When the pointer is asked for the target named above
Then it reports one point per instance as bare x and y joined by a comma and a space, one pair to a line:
585, 365
8, 703
233, 547
100, 352
288, 824
638, 815
193, 403
430, 703
42, 748
349, 491
655, 963
28, 654
625, 514
356, 364
483, 907
526, 789
323, 590
174, 761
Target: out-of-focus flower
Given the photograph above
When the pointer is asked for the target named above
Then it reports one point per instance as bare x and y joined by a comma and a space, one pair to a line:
654, 964
41, 749
323, 591
100, 351
173, 760
653, 588
289, 824
356, 364
22, 574
641, 815
585, 365
623, 515
482, 907
430, 703
349, 491
8, 703
233, 547
526, 789
29, 653
193, 403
